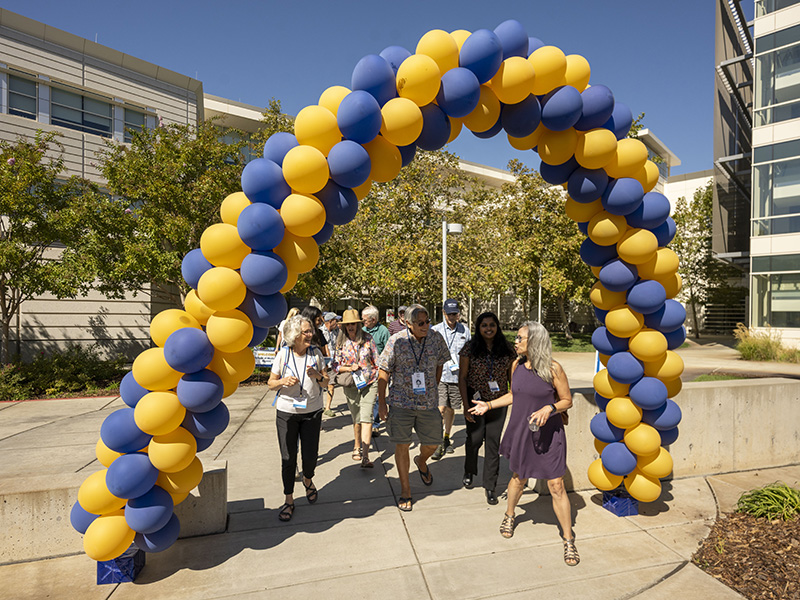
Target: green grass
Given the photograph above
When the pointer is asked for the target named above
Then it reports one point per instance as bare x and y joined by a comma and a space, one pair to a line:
719, 377
580, 342
773, 501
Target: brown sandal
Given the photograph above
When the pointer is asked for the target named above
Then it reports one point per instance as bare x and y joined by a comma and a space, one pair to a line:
507, 526
571, 556
356, 454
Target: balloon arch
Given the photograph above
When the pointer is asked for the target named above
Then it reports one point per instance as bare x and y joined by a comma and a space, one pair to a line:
312, 180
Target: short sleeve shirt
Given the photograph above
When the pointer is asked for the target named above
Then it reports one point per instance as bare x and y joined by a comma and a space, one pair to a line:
365, 355
455, 339
404, 356
380, 335
487, 368
287, 363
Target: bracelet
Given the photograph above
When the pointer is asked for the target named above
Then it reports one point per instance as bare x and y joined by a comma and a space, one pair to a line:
555, 410
489, 404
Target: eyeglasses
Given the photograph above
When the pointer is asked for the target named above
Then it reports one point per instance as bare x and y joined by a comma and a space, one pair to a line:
518, 338
307, 332
423, 323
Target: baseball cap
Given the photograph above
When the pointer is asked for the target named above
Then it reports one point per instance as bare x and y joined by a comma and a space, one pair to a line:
450, 306
329, 316
401, 309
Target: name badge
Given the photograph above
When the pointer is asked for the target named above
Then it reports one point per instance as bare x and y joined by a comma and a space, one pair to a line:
358, 378
453, 367
476, 397
418, 382
301, 402
493, 387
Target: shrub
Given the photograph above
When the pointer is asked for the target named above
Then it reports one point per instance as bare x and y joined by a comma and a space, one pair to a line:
773, 501
763, 345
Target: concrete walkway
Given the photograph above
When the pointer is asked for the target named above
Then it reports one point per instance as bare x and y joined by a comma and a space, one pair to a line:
355, 543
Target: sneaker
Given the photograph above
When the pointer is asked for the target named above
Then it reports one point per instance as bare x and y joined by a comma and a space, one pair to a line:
438, 453
328, 412
448, 446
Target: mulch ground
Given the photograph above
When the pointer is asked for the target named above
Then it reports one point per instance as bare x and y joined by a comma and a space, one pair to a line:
758, 558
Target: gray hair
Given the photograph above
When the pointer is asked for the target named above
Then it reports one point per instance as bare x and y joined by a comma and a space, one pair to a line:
412, 312
370, 311
540, 350
292, 329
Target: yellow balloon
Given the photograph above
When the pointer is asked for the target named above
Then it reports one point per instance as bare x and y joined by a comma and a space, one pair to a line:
305, 169
486, 113
658, 465
550, 66
197, 308
595, 271
674, 387
529, 142
94, 497
599, 445
237, 366
661, 266
607, 386
513, 81
158, 413
647, 344
183, 481
647, 176
104, 454
151, 371
605, 299
603, 358
623, 322
222, 246
666, 368
332, 97
167, 322
418, 79
642, 487
623, 413
672, 283
578, 72
220, 288
630, 157
580, 212
174, 451
606, 229
642, 439
229, 331
230, 387
460, 36
178, 498
595, 148
316, 126
302, 215
362, 190
402, 121
456, 125
299, 253
557, 147
291, 281
441, 47
107, 537
385, 158
232, 206
637, 246
601, 478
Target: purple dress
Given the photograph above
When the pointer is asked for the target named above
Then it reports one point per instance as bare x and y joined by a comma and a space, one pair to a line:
541, 454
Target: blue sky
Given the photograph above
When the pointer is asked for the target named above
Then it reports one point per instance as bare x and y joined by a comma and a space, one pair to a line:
657, 57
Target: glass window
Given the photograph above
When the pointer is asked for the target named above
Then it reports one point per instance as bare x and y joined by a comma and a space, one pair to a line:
765, 7
778, 113
776, 198
134, 121
781, 262
778, 76
21, 97
82, 113
776, 300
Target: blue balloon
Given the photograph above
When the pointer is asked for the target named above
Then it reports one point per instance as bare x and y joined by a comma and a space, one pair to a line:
260, 226
407, 154
652, 212
595, 255
201, 391
521, 119
623, 196
188, 350
491, 132
669, 436
513, 39
324, 234
665, 232
80, 518
349, 164
395, 55
481, 53
620, 120
646, 296
598, 106
262, 181
374, 75
669, 317
601, 401
193, 266
603, 430
264, 273
264, 311
359, 117
259, 335
664, 417
561, 108
617, 459
625, 368
534, 44
341, 204
149, 512
606, 343
161, 539
435, 128
278, 144
120, 433
204, 443
130, 391
600, 315
617, 275
587, 185
675, 338
131, 475
648, 393
558, 174
584, 227
459, 92
208, 424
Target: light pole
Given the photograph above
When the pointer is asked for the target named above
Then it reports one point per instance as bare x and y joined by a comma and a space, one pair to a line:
447, 228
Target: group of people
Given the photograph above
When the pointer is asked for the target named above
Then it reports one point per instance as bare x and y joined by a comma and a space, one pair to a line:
416, 378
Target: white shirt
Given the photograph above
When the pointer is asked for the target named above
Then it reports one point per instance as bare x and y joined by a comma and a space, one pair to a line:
288, 363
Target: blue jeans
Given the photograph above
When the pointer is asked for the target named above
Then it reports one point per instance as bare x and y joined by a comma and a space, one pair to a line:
376, 421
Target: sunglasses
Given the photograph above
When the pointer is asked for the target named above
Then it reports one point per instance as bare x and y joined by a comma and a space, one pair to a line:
423, 323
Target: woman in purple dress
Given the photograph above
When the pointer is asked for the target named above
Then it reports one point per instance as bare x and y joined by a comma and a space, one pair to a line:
539, 392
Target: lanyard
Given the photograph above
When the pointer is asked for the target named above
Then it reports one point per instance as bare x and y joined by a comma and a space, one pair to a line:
296, 372
451, 339
414, 352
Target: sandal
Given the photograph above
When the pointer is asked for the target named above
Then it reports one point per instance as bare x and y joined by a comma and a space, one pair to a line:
366, 463
571, 556
507, 526
311, 492
356, 454
427, 476
286, 512
404, 504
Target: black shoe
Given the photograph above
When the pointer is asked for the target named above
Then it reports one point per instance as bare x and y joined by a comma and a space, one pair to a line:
467, 480
490, 497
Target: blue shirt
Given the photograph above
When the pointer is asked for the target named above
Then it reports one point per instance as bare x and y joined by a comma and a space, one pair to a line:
455, 339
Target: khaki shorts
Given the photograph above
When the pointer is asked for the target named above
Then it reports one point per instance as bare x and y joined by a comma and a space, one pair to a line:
449, 396
360, 402
426, 422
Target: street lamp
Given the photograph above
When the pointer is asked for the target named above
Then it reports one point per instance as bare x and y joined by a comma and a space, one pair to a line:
447, 228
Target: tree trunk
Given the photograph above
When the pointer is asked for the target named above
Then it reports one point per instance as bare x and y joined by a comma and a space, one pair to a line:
695, 321
5, 352
564, 319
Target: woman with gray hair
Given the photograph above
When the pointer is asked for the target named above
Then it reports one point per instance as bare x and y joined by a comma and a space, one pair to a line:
535, 442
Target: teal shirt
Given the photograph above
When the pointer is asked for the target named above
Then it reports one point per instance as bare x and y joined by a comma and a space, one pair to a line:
380, 335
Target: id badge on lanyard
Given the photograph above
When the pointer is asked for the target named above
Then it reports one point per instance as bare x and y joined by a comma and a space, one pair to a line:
358, 378
453, 364
302, 401
418, 382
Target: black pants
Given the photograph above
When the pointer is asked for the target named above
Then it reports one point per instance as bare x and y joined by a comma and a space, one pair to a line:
486, 427
291, 428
